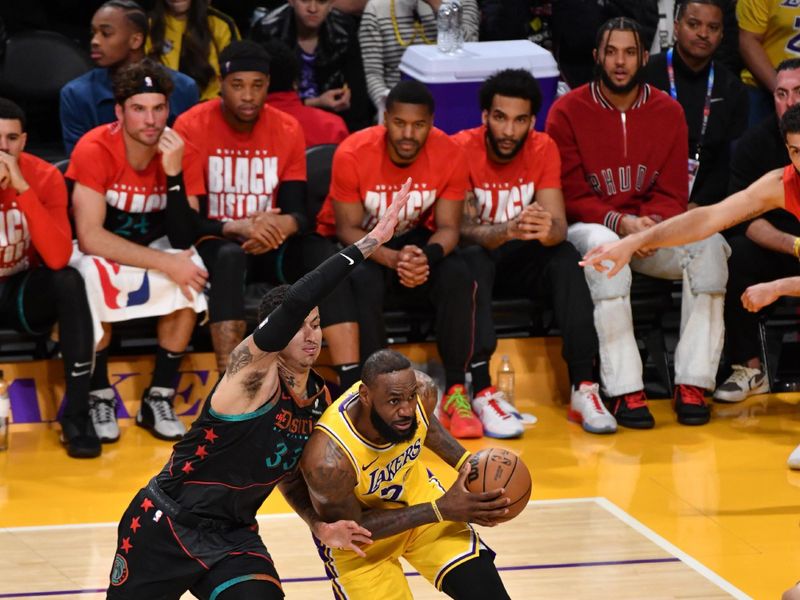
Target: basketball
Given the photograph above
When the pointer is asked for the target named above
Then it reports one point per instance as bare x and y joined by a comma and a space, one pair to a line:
493, 468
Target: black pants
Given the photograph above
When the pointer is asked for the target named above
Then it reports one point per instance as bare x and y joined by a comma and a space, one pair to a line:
748, 265
229, 268
449, 288
542, 273
476, 579
32, 301
160, 556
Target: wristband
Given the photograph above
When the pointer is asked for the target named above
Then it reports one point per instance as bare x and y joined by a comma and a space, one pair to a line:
462, 460
797, 247
434, 252
436, 511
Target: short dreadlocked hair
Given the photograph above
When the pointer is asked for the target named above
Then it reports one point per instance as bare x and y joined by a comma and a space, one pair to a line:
618, 24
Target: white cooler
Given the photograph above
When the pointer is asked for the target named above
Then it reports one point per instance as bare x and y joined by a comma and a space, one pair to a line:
454, 79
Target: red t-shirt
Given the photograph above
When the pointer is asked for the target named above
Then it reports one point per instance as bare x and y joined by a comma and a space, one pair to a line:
363, 172
34, 225
135, 200
319, 126
791, 189
503, 190
239, 172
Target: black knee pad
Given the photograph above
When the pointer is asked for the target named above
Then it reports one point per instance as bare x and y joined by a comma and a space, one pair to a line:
250, 590
68, 281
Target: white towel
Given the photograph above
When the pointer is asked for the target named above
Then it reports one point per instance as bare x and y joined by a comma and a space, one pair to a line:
121, 292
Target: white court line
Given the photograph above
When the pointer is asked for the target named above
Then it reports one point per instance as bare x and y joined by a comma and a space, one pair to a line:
599, 500
671, 548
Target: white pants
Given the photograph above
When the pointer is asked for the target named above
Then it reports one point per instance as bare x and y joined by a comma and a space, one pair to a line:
703, 267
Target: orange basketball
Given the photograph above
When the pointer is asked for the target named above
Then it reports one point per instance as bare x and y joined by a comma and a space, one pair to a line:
493, 468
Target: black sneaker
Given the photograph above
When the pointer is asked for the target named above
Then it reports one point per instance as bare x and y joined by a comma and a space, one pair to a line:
79, 437
691, 406
630, 410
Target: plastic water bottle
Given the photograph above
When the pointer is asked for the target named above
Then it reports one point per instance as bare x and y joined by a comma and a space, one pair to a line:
457, 25
505, 379
5, 412
445, 31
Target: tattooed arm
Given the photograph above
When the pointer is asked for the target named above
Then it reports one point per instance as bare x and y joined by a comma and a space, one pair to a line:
341, 534
251, 368
438, 439
490, 236
332, 480
763, 195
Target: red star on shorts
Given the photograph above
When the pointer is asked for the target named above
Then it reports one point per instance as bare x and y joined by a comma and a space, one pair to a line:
210, 435
135, 524
126, 544
201, 452
187, 467
146, 505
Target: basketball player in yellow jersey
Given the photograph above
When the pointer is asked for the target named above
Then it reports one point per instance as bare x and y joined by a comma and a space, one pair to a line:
363, 463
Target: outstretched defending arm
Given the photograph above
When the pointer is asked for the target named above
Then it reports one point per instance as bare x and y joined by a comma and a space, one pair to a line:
763, 195
257, 351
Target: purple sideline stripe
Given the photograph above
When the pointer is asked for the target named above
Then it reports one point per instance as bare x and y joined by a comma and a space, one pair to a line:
603, 563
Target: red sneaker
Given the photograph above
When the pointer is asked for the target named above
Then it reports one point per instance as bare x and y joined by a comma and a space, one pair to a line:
455, 414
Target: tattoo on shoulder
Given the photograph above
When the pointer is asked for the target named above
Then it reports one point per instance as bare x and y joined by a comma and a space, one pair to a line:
240, 358
426, 387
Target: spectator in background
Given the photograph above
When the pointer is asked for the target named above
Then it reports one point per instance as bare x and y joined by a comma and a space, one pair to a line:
762, 249
187, 36
623, 169
388, 27
119, 31
419, 264
517, 20
326, 43
714, 101
246, 173
127, 200
319, 126
767, 36
575, 23
515, 216
37, 288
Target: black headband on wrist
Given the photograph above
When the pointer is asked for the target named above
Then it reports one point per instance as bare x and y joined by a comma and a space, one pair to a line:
244, 64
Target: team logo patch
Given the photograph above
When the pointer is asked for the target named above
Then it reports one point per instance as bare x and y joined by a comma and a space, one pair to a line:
119, 572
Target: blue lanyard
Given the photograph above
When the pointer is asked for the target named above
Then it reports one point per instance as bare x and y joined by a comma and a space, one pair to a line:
706, 106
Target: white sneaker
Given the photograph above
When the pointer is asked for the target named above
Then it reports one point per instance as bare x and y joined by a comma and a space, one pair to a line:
586, 408
494, 411
741, 383
157, 414
794, 459
103, 410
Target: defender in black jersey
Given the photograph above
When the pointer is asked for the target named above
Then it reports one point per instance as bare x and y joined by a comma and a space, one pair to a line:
193, 526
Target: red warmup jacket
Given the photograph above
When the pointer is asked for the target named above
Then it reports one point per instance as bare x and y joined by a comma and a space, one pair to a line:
620, 163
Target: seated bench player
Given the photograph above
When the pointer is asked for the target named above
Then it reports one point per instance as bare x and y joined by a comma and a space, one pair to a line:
133, 254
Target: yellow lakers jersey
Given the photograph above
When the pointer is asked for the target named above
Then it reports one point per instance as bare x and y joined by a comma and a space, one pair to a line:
778, 21
389, 475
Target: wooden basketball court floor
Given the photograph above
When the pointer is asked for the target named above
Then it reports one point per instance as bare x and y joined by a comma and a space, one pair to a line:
675, 512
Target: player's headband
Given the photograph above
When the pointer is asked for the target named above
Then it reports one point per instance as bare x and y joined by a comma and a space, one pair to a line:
235, 65
149, 85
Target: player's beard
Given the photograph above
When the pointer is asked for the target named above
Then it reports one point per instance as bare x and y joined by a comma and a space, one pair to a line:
389, 433
634, 82
496, 148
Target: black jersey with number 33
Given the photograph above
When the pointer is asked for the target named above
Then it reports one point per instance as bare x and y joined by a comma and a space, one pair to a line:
226, 465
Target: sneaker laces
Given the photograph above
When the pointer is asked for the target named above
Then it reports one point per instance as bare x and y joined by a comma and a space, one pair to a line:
690, 394
162, 408
634, 400
459, 402
103, 410
492, 401
590, 391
